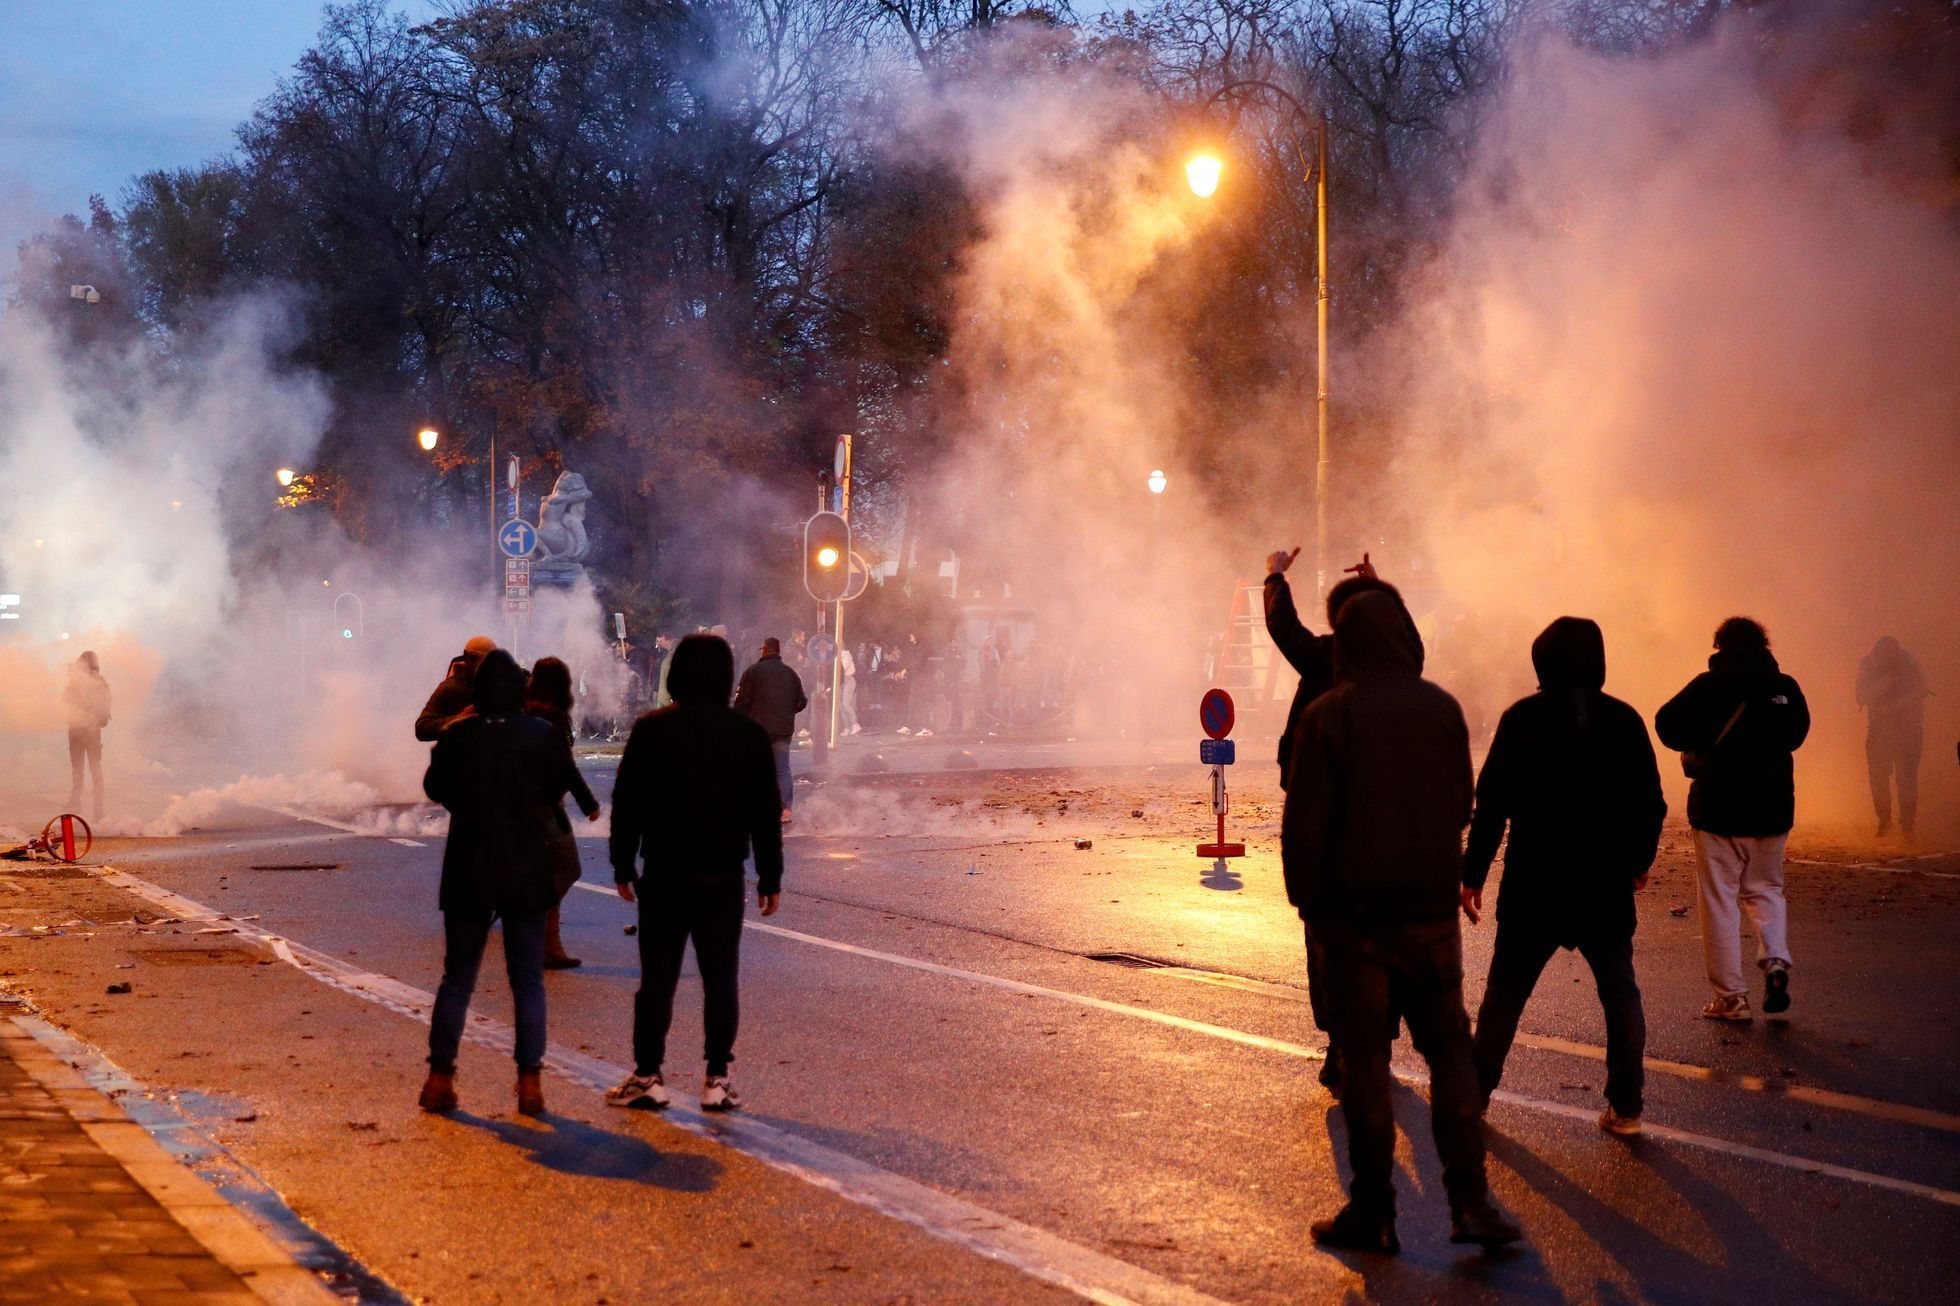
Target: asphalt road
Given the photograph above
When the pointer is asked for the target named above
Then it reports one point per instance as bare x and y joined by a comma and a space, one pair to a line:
925, 1020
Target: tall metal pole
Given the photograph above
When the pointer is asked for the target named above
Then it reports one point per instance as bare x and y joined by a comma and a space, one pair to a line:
1320, 403
843, 470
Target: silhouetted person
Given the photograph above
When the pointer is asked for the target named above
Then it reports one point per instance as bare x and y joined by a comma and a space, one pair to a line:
771, 694
549, 697
502, 774
696, 791
1373, 855
451, 700
85, 701
1735, 726
1892, 690
1312, 656
1572, 772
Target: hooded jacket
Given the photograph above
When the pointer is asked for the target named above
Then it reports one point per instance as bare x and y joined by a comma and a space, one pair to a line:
448, 700
771, 694
1311, 655
1892, 690
1373, 828
1746, 784
86, 698
1572, 772
503, 775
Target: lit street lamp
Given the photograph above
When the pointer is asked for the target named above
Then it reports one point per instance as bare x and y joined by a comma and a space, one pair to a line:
1203, 173
427, 437
1157, 482
285, 477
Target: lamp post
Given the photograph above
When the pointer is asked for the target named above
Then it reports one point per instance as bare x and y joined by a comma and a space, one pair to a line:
1202, 172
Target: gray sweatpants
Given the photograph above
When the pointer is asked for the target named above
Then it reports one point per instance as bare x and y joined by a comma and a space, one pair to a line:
1740, 874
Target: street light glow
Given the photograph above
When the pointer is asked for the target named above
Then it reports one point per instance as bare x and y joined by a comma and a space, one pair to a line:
827, 557
1203, 172
1158, 481
427, 438
284, 476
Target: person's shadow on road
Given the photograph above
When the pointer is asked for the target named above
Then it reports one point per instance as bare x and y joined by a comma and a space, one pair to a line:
576, 1148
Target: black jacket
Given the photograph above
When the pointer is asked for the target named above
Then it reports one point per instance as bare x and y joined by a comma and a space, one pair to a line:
502, 779
1745, 786
771, 694
1311, 655
1573, 773
561, 729
448, 702
1373, 828
696, 789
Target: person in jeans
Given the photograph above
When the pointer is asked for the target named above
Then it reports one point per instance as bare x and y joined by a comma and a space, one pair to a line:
771, 694
1373, 859
1735, 726
503, 775
696, 792
1892, 690
1571, 771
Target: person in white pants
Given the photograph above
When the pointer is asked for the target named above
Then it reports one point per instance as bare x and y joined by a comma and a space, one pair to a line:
1736, 726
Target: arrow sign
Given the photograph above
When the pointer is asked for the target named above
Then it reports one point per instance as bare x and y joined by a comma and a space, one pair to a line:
1216, 714
517, 538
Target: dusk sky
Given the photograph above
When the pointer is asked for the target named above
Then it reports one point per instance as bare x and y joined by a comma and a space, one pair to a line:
93, 92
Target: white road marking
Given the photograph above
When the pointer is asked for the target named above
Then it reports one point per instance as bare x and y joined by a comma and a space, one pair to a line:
342, 826
1704, 1142
1035, 1252
1874, 866
409, 843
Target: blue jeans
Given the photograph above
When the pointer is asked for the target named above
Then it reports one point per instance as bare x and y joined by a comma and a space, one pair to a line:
784, 783
464, 936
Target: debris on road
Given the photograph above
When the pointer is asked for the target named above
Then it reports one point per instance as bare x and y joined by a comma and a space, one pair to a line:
1084, 845
121, 986
1678, 909
632, 929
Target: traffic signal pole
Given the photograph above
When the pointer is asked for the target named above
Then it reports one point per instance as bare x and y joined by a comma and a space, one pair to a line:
843, 469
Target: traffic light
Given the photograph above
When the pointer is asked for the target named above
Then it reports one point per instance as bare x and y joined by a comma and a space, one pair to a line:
348, 615
827, 557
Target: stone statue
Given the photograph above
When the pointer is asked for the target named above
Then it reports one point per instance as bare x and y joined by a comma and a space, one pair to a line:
562, 543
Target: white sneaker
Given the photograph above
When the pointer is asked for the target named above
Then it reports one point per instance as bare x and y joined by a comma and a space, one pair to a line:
923, 734
719, 1095
1730, 1006
905, 730
857, 730
639, 1093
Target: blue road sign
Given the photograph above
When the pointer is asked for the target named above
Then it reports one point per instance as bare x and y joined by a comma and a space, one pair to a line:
822, 650
1215, 713
517, 538
1218, 752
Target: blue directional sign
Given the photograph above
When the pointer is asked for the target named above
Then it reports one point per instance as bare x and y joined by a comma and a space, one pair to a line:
517, 538
823, 650
1218, 752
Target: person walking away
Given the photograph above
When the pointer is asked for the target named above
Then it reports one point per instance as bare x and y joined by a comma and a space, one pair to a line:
502, 775
1892, 690
85, 700
847, 697
550, 698
1571, 771
1312, 656
771, 694
696, 793
1735, 726
1373, 860
451, 700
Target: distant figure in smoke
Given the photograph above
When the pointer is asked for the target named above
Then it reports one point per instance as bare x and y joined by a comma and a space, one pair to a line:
1571, 771
502, 774
550, 697
847, 697
1735, 726
1372, 851
696, 791
771, 694
86, 701
1892, 690
663, 646
1313, 657
451, 701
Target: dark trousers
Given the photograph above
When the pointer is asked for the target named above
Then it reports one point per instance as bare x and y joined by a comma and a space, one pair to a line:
1416, 970
85, 747
465, 935
1515, 965
1320, 989
785, 784
1893, 753
674, 909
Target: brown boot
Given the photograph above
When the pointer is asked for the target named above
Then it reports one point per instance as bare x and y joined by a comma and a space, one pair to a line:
530, 1093
555, 956
439, 1092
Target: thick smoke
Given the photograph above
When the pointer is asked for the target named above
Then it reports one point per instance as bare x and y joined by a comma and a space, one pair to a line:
1691, 351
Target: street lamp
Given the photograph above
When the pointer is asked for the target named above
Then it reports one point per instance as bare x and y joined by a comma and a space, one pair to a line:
427, 437
1203, 172
1157, 481
285, 477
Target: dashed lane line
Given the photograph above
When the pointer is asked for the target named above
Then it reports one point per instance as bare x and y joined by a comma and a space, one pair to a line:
1035, 1252
1877, 866
1244, 1038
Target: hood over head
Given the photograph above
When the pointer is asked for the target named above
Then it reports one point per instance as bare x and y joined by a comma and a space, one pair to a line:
1570, 654
88, 662
498, 687
703, 671
1373, 636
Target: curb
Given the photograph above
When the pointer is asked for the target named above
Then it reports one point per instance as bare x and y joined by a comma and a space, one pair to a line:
272, 1274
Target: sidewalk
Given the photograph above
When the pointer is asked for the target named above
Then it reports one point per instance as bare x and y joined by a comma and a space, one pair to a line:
93, 1210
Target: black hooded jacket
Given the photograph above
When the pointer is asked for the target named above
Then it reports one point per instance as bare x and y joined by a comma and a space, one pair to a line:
1309, 654
1745, 786
1572, 772
1374, 820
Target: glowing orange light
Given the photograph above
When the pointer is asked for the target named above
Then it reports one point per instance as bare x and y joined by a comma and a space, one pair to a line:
1203, 172
827, 557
